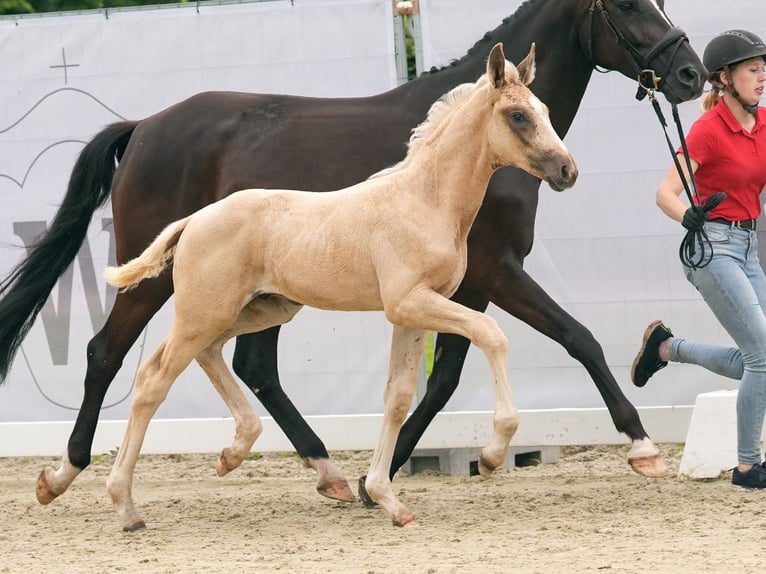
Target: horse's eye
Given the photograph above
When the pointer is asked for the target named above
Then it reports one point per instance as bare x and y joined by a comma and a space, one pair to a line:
626, 6
517, 117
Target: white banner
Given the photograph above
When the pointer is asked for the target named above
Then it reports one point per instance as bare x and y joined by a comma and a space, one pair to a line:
64, 77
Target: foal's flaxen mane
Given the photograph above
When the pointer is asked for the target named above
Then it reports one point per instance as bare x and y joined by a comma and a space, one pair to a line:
438, 111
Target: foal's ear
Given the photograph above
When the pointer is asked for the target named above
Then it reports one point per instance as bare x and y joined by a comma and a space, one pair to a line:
527, 67
496, 66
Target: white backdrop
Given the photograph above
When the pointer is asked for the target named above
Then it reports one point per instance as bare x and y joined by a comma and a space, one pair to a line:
602, 250
131, 65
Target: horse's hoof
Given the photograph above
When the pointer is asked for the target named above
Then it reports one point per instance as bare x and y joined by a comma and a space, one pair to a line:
485, 467
363, 495
337, 490
652, 466
135, 527
43, 490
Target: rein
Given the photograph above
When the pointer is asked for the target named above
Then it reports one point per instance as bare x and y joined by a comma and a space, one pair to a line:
694, 239
695, 250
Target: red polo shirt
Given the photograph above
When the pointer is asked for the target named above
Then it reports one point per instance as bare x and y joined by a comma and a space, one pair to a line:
730, 159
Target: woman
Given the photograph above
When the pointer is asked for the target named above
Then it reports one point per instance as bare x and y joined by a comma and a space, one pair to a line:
727, 147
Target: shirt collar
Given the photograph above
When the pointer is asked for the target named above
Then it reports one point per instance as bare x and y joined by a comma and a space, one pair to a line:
723, 110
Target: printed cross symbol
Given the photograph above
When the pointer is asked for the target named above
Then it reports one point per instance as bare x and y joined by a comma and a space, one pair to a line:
65, 66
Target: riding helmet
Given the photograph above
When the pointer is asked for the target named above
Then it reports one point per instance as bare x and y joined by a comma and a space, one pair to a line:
731, 47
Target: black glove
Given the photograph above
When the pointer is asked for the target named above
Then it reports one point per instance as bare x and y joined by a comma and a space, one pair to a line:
696, 216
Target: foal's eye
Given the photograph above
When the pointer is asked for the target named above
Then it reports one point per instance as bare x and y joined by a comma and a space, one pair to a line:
517, 117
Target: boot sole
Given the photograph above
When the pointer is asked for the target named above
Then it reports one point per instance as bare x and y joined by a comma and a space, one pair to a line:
648, 333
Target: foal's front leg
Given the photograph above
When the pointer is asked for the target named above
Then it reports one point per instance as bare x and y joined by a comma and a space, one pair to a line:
406, 352
434, 312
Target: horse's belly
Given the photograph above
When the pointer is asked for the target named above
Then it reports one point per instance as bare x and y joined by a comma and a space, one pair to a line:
331, 289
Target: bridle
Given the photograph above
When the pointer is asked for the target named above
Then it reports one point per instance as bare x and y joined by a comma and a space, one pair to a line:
648, 77
695, 250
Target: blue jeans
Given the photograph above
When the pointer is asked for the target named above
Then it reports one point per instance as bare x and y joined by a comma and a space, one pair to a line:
734, 287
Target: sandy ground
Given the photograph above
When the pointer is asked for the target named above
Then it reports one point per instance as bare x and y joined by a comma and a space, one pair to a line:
587, 513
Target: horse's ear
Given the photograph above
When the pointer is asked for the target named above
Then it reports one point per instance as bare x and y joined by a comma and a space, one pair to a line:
527, 67
496, 66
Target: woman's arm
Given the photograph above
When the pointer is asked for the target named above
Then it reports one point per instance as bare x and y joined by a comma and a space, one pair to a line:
669, 192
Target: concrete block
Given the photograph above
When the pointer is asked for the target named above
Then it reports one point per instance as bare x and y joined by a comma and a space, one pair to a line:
711, 442
464, 461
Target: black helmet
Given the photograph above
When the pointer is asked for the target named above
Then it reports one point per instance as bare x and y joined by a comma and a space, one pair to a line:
731, 47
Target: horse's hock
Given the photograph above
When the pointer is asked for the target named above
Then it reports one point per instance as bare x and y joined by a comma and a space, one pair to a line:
465, 461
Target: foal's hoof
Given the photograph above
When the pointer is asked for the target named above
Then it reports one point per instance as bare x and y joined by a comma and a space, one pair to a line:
363, 495
486, 468
135, 527
652, 466
337, 490
227, 462
405, 520
222, 466
44, 491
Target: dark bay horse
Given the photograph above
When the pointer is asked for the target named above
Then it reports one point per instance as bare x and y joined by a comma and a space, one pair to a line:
208, 146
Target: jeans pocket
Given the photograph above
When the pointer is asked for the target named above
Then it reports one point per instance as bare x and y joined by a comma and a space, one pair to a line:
718, 233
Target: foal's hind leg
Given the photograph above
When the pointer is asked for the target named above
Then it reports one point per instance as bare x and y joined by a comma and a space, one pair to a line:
106, 351
255, 362
154, 379
248, 425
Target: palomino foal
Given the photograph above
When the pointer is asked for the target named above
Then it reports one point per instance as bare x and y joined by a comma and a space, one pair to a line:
395, 242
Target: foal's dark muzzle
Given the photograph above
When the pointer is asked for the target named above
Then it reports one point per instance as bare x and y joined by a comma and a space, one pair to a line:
566, 177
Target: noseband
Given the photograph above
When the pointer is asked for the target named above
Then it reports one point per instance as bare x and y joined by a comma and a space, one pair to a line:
648, 77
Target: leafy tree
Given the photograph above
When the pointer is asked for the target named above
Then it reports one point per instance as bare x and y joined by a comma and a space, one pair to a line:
16, 7
33, 6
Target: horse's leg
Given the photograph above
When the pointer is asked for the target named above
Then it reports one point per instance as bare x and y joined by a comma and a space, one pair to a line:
106, 351
406, 352
255, 362
514, 291
248, 424
431, 311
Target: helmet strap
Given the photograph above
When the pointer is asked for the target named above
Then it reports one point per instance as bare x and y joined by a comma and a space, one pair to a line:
749, 108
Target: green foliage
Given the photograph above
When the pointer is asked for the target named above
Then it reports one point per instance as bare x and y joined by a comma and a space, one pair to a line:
8, 7
16, 7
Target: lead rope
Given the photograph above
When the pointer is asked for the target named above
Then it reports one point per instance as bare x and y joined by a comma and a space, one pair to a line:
694, 240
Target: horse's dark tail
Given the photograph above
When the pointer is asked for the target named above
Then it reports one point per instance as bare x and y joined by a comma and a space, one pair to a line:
25, 290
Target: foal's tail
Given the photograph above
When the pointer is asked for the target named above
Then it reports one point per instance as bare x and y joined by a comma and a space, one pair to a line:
24, 291
151, 262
